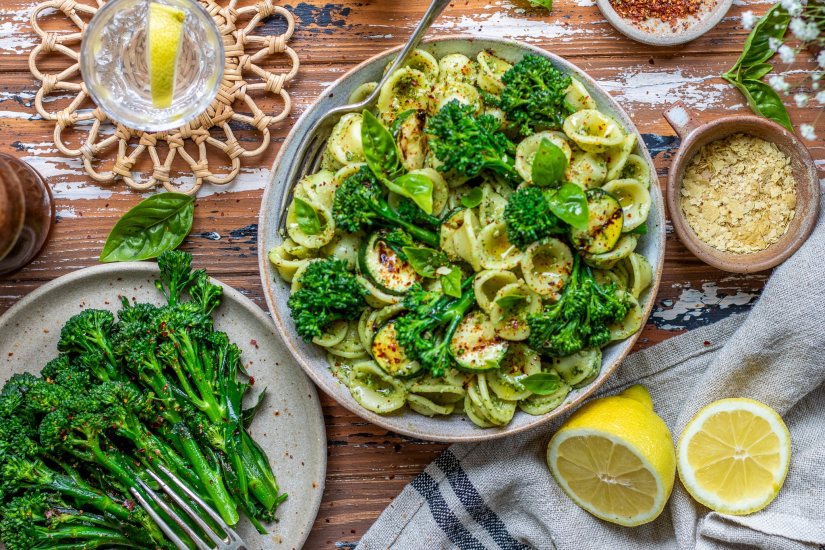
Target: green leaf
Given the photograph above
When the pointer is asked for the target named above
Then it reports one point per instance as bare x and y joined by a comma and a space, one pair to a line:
155, 225
379, 148
638, 230
549, 165
756, 72
756, 49
307, 217
451, 283
764, 101
425, 261
511, 301
569, 203
473, 198
542, 383
402, 117
417, 187
548, 4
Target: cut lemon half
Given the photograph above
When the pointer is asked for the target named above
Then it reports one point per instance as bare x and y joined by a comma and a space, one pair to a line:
163, 44
733, 456
614, 457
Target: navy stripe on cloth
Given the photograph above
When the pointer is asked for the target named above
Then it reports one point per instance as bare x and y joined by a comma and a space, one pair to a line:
474, 504
444, 517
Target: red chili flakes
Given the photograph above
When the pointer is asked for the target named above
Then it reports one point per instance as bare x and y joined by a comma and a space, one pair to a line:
254, 343
666, 10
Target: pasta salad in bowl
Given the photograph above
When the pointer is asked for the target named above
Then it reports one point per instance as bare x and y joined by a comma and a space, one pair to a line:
476, 253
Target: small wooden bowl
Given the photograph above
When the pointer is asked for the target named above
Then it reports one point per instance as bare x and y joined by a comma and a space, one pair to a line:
694, 135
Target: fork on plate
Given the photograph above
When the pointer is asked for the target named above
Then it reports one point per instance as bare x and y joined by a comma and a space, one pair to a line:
228, 541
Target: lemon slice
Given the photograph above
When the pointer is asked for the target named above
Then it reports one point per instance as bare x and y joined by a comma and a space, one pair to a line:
164, 39
733, 456
614, 457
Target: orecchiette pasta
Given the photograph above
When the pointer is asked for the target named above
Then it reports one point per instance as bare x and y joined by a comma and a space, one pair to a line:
467, 255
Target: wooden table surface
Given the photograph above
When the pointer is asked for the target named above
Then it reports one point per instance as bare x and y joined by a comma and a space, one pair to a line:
369, 466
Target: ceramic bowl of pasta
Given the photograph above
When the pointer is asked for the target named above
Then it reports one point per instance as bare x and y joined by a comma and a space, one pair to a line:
476, 253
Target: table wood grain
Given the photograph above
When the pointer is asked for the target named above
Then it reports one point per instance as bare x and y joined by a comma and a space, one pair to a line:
369, 466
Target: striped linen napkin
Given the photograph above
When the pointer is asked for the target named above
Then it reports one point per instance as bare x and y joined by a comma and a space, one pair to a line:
500, 495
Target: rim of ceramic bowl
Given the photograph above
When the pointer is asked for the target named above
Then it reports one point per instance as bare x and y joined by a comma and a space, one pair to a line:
269, 274
800, 227
694, 31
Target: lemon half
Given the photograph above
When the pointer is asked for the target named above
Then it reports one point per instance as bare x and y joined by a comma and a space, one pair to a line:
614, 457
164, 39
733, 456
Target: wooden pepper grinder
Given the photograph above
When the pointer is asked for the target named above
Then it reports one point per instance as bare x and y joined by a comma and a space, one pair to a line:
26, 213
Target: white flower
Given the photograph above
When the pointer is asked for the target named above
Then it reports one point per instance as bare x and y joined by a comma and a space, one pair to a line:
820, 97
794, 7
774, 43
821, 59
801, 100
778, 83
806, 31
749, 20
807, 131
787, 54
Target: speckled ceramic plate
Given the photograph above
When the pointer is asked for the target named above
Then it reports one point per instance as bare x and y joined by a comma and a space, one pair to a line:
312, 358
290, 426
659, 33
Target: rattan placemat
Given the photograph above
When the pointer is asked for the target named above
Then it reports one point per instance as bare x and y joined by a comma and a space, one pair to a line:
246, 52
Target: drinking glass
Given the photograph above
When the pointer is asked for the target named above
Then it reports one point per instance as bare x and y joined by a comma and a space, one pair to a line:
115, 66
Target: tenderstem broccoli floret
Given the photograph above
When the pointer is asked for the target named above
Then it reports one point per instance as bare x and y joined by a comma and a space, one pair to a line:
428, 326
528, 218
360, 204
43, 520
580, 318
470, 143
534, 95
328, 291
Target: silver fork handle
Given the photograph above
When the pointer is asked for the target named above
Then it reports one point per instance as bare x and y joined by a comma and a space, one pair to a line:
435, 9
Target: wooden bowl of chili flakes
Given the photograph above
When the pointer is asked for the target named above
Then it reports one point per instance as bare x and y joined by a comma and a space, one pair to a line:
743, 192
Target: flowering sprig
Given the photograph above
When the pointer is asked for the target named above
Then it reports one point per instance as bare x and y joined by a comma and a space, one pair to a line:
806, 21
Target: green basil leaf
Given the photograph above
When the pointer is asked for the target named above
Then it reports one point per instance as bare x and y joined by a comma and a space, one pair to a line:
307, 217
569, 203
473, 198
765, 101
451, 283
379, 147
548, 4
402, 117
542, 383
757, 47
511, 301
417, 187
756, 72
155, 225
638, 230
425, 261
549, 165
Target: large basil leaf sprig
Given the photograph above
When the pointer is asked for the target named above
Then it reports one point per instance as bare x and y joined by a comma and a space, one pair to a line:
155, 225
384, 161
752, 66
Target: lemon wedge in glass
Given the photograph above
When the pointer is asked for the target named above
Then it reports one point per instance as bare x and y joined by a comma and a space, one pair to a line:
614, 457
163, 44
733, 456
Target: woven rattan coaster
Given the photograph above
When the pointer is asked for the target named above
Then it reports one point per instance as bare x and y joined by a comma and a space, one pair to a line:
245, 53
